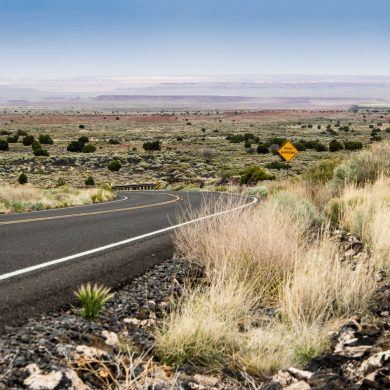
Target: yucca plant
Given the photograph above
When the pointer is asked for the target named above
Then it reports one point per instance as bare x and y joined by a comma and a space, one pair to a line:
92, 299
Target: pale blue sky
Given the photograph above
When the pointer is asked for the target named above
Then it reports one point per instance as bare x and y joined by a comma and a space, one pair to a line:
63, 38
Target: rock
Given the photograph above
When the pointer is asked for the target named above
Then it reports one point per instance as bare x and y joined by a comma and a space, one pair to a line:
299, 374
84, 351
206, 380
374, 362
111, 339
301, 385
54, 380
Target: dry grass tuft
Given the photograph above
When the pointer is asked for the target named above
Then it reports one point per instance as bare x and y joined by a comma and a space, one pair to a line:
18, 198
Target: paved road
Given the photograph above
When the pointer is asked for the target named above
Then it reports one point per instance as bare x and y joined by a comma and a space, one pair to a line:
45, 255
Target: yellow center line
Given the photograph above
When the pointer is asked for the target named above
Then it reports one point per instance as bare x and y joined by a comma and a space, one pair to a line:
93, 212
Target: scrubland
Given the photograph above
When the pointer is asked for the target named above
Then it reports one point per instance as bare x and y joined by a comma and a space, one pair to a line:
280, 257
19, 198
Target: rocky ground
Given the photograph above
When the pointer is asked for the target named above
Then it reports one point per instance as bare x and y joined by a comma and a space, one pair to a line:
64, 351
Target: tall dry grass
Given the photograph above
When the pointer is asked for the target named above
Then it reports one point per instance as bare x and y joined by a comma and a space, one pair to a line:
278, 254
365, 212
20, 198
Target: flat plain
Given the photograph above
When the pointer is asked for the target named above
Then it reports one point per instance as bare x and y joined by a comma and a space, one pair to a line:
194, 149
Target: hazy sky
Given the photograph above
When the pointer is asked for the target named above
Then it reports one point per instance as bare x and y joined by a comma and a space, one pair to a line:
55, 38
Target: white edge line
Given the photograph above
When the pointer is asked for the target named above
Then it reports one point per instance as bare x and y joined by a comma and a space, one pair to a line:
115, 244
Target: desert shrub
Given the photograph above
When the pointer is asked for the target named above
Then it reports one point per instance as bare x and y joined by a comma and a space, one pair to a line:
39, 151
254, 174
279, 141
60, 182
259, 191
363, 167
152, 145
278, 165
320, 147
321, 173
21, 133
89, 148
262, 149
89, 181
75, 147
335, 146
81, 126
4, 145
114, 165
353, 145
300, 146
28, 140
45, 139
92, 299
179, 138
309, 144
13, 139
4, 132
22, 179
83, 139
298, 208
235, 138
113, 141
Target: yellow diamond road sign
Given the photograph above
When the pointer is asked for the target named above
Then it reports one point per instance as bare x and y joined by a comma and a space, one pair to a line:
288, 151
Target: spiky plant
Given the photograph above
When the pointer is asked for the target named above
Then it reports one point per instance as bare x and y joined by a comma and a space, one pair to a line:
92, 299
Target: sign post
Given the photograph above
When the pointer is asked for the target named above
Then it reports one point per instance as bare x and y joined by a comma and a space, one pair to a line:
288, 151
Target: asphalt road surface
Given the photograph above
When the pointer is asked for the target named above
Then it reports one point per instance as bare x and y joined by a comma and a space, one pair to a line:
46, 255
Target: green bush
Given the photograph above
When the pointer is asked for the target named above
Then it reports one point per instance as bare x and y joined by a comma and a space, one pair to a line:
40, 152
278, 165
320, 147
113, 141
45, 139
13, 139
254, 174
75, 147
361, 168
300, 146
4, 145
335, 146
89, 148
353, 145
93, 299
323, 172
22, 179
262, 149
114, 165
83, 139
89, 181
152, 145
60, 182
28, 140
300, 209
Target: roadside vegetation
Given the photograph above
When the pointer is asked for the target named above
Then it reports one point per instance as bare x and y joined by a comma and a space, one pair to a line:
276, 281
24, 197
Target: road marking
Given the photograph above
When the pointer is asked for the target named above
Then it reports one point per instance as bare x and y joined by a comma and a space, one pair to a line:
119, 243
90, 213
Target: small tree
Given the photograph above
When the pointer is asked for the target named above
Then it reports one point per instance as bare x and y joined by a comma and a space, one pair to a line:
83, 139
28, 140
152, 145
4, 145
114, 166
75, 147
89, 181
254, 174
13, 139
89, 148
335, 146
45, 139
22, 179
